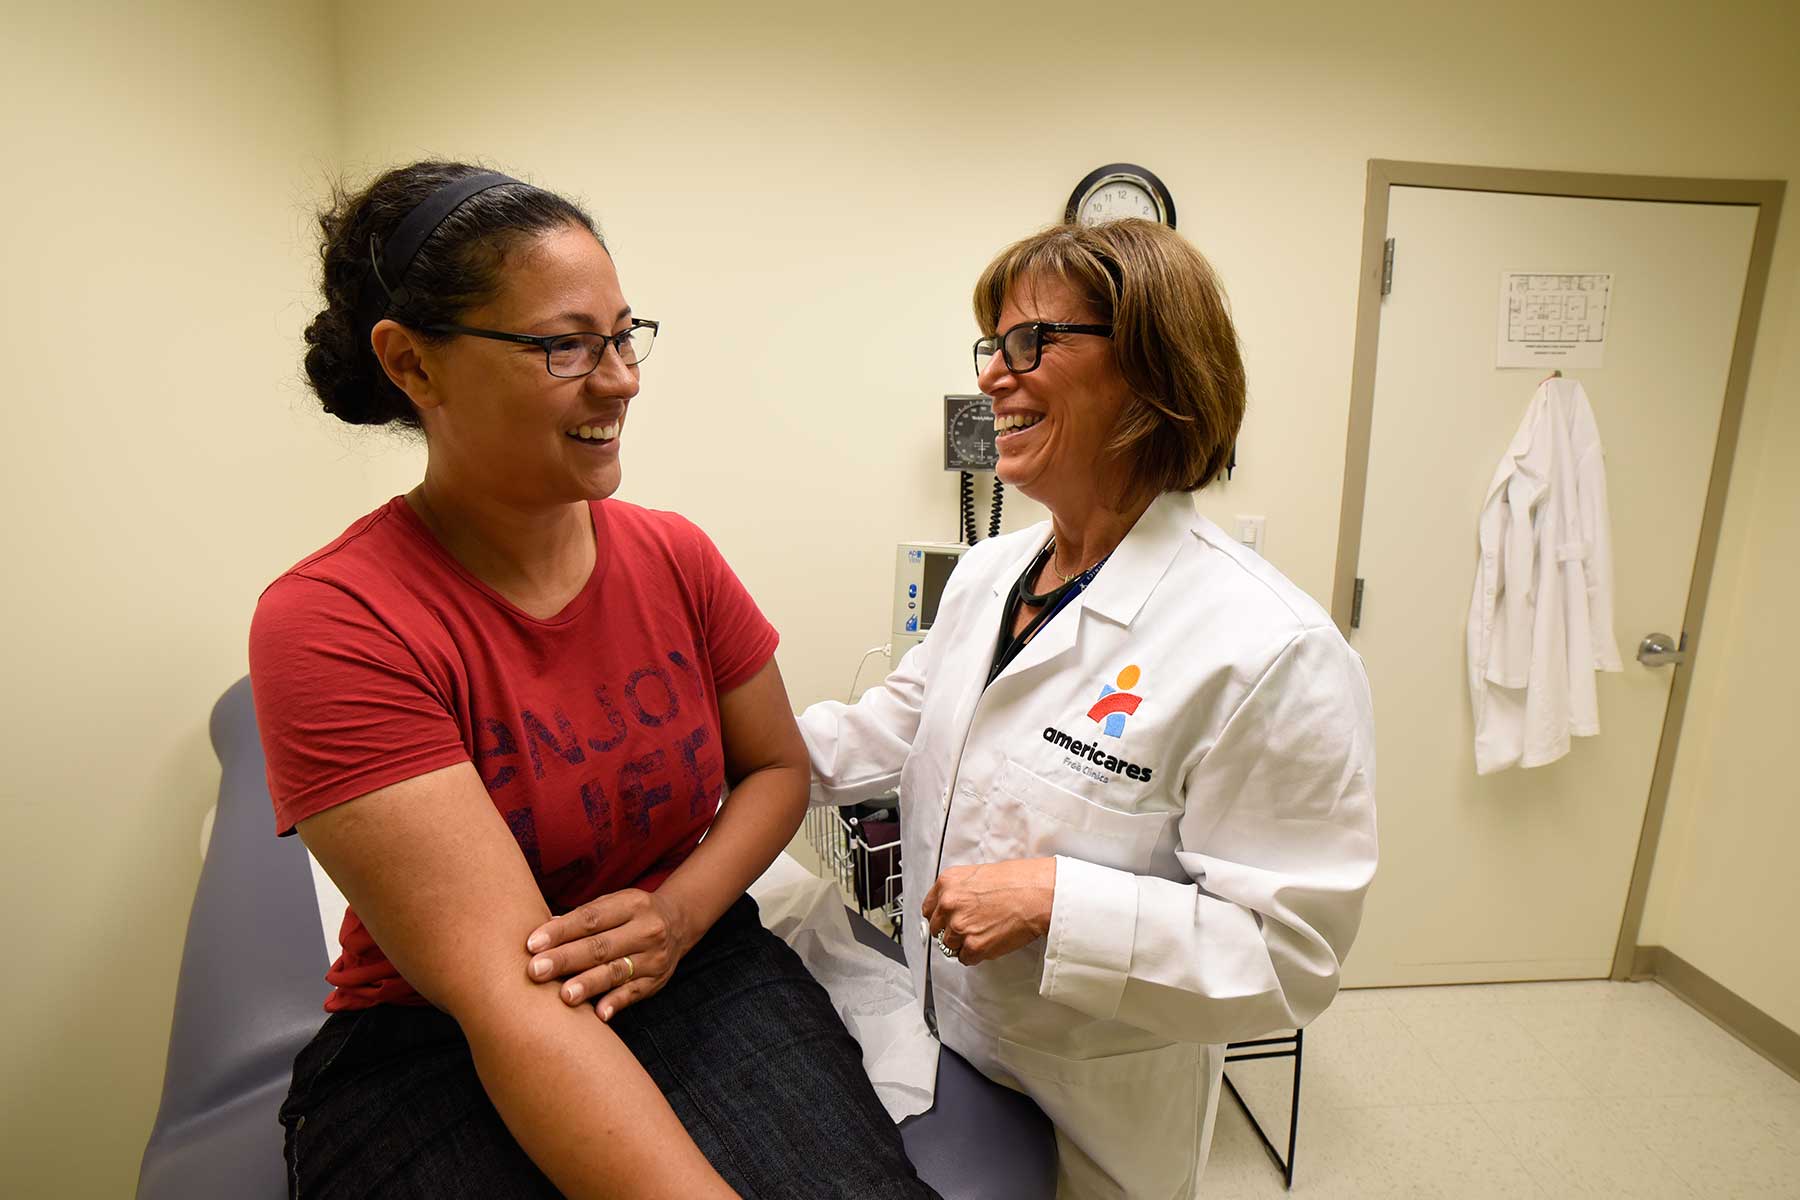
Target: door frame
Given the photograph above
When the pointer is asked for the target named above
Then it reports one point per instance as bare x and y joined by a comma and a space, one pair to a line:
1766, 196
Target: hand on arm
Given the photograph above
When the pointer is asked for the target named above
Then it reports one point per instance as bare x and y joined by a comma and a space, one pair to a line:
765, 764
433, 871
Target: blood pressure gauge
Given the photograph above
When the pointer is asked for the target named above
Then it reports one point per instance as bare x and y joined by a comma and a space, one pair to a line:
1120, 190
969, 434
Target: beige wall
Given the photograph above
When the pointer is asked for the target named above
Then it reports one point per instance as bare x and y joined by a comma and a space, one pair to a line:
1726, 892
156, 471
806, 205
804, 200
815, 203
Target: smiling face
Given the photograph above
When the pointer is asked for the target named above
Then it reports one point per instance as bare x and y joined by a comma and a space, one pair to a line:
1055, 421
496, 421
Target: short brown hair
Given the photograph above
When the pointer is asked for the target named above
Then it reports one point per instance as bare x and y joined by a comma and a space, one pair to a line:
1172, 338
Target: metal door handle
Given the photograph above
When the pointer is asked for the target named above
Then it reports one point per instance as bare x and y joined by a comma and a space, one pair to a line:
1660, 650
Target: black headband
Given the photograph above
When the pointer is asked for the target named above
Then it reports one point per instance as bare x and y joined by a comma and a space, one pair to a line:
390, 261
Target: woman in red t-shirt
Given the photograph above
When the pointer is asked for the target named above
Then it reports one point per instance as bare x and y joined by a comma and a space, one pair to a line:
502, 711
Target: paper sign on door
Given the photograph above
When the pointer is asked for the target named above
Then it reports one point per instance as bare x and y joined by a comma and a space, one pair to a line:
1553, 318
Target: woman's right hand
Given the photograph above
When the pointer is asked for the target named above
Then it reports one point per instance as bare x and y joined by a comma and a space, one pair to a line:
612, 951
436, 875
988, 910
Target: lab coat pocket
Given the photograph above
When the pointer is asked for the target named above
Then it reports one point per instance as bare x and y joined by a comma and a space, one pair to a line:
1028, 816
1127, 1125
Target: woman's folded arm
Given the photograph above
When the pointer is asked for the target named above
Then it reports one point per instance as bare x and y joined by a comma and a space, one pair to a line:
432, 870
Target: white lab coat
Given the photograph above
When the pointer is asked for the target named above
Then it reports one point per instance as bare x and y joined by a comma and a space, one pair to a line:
1211, 854
1540, 618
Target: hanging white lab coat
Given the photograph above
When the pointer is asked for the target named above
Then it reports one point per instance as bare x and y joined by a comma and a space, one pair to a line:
1212, 845
1540, 619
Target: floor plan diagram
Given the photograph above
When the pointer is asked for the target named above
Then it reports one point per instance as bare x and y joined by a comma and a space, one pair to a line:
1553, 316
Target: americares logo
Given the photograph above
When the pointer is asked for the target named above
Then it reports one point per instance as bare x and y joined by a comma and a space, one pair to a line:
1110, 712
1117, 703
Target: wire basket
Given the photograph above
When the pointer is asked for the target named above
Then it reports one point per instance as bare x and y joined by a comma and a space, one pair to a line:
859, 847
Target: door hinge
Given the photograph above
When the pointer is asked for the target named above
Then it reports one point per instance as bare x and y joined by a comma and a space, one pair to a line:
1356, 606
1387, 267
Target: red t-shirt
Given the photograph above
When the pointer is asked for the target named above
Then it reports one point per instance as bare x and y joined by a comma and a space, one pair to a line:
596, 731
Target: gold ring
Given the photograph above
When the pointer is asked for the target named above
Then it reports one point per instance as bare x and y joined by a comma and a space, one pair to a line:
630, 971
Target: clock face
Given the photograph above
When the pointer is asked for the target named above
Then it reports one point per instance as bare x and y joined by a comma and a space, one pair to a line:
1119, 191
1117, 199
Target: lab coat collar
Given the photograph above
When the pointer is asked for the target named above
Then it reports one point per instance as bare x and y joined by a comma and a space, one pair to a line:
1555, 400
1052, 640
1117, 593
1141, 560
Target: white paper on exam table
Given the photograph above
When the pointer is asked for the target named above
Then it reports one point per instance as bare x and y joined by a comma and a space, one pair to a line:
872, 993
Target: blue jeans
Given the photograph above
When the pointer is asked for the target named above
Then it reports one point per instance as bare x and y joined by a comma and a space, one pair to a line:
742, 1041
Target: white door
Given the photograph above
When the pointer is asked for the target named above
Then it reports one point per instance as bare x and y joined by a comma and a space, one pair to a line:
1524, 874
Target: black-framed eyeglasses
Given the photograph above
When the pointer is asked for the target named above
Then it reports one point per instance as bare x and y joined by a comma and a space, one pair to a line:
1023, 345
572, 355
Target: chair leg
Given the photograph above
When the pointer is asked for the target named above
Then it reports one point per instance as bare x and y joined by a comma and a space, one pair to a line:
1284, 1165
1294, 1110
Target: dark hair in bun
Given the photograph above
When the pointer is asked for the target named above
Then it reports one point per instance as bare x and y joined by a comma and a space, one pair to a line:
457, 268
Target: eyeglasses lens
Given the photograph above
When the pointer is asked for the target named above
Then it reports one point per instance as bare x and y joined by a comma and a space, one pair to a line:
637, 349
580, 353
1022, 348
984, 353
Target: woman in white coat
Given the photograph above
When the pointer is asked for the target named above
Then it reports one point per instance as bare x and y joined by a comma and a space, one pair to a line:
1135, 763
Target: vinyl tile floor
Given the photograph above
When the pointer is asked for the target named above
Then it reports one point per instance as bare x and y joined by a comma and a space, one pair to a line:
1519, 1091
